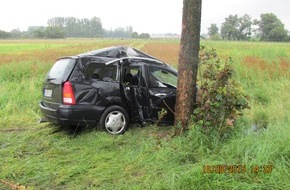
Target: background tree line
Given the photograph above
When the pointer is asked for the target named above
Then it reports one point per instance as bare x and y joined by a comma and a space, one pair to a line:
267, 28
71, 27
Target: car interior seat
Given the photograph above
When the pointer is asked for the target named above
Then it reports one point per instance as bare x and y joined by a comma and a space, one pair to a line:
128, 78
95, 76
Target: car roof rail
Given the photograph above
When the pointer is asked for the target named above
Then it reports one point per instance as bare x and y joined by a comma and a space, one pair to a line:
133, 58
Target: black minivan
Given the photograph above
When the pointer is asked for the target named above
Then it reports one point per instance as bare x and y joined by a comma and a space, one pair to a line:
111, 87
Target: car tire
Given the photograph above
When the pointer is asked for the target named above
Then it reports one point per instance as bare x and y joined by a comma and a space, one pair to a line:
115, 120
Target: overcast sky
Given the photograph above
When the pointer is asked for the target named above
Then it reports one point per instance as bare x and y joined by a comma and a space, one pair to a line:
149, 16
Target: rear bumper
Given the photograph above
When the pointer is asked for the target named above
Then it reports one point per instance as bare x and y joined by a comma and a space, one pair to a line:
72, 114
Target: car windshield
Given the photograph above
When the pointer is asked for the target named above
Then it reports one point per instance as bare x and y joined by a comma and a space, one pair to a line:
61, 69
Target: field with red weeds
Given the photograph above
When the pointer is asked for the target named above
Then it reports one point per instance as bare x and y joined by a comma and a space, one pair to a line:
166, 51
281, 67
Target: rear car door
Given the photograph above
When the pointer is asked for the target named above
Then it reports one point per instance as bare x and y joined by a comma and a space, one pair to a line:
162, 84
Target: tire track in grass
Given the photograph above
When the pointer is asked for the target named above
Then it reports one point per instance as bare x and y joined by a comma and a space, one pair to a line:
22, 128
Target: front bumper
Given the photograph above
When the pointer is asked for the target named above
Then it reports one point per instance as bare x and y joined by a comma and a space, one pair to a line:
72, 114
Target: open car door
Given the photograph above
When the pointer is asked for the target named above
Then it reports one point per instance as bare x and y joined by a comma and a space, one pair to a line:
135, 92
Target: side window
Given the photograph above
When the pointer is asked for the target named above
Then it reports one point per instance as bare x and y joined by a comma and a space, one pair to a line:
61, 69
161, 78
101, 72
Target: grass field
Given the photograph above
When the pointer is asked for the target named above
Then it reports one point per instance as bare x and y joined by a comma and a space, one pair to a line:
42, 156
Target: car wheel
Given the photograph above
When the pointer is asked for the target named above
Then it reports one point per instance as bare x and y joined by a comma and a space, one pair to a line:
115, 120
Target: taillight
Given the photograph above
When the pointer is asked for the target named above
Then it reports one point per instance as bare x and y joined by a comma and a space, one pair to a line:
68, 96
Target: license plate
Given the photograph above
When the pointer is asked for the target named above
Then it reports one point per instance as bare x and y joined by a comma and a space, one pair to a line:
47, 93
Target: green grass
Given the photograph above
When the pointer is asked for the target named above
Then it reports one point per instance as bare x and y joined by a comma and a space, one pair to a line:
15, 47
42, 156
239, 50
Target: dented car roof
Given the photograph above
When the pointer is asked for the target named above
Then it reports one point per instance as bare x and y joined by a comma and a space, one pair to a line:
114, 54
117, 52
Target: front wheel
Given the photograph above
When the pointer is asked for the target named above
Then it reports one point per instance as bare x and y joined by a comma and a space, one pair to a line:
115, 120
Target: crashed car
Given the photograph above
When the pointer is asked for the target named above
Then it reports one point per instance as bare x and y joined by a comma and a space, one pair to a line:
110, 87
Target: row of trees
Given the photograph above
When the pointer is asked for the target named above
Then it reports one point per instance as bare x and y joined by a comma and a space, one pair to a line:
34, 32
75, 27
70, 27
268, 28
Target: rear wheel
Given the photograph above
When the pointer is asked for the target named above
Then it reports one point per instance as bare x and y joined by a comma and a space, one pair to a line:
115, 120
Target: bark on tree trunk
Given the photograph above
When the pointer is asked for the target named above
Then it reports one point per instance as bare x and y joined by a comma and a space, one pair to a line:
188, 62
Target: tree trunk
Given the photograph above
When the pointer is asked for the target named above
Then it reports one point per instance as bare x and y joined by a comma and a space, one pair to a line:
188, 62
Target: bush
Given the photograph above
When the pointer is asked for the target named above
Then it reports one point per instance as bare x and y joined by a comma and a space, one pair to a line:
216, 37
220, 98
